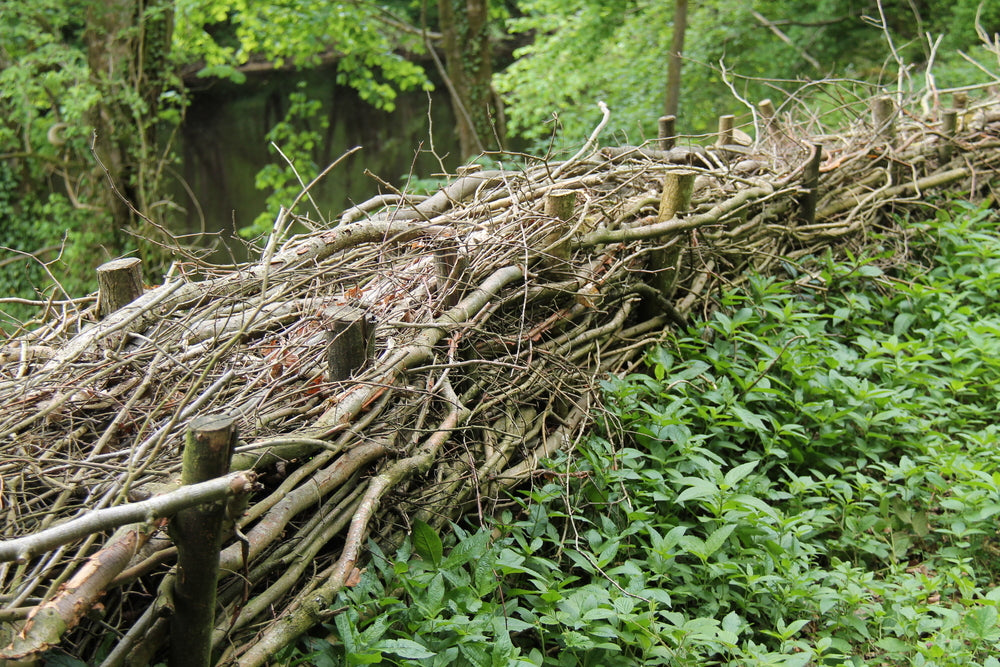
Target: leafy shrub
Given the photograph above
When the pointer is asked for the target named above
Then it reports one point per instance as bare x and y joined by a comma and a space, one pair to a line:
810, 477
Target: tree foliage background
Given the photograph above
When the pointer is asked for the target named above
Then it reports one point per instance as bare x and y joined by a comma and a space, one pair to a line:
616, 51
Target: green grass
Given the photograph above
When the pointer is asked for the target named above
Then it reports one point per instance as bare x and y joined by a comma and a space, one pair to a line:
811, 477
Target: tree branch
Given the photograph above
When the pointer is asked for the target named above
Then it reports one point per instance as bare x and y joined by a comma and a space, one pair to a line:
23, 548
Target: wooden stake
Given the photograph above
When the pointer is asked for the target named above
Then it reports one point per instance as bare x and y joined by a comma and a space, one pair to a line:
885, 117
119, 284
677, 189
766, 108
767, 117
197, 533
560, 206
725, 130
810, 185
666, 262
450, 266
960, 102
667, 132
949, 123
350, 343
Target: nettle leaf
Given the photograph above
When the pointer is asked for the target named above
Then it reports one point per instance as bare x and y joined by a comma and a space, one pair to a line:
737, 474
894, 645
376, 630
744, 502
468, 550
347, 631
405, 648
732, 623
435, 594
718, 538
902, 323
982, 622
671, 539
426, 543
749, 419
694, 369
698, 488
694, 546
662, 361
476, 654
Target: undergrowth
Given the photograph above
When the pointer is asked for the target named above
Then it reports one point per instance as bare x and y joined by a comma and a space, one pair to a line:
810, 477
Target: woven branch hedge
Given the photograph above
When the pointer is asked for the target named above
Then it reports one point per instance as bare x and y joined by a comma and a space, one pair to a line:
554, 275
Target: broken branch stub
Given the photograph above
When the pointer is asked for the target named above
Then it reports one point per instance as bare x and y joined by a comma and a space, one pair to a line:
884, 111
949, 123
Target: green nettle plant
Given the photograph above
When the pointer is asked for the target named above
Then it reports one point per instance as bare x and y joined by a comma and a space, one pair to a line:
811, 477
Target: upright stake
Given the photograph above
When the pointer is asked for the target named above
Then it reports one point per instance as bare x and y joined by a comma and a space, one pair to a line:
350, 343
208, 446
119, 284
667, 132
810, 187
725, 130
885, 117
960, 102
560, 205
450, 266
677, 189
676, 198
767, 113
949, 123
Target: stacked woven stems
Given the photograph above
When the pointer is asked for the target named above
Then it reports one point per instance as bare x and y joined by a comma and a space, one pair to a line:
498, 305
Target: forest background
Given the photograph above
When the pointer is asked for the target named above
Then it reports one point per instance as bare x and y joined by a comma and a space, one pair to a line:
94, 99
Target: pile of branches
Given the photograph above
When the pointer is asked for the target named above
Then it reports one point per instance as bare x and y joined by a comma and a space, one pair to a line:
481, 371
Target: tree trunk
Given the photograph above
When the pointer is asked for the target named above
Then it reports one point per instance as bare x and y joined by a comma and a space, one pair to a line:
674, 61
469, 67
128, 44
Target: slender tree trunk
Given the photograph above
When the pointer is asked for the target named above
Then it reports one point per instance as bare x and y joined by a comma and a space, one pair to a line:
128, 44
674, 61
469, 67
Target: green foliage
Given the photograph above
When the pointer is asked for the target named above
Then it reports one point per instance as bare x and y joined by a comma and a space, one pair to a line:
425, 607
46, 196
583, 52
616, 51
364, 40
303, 33
53, 189
298, 136
810, 477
